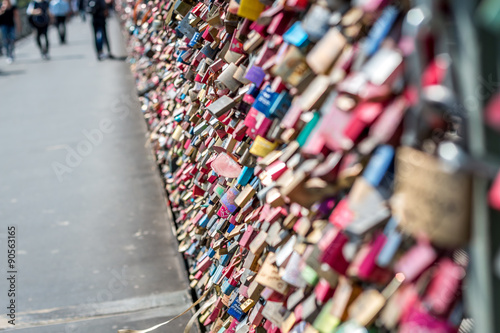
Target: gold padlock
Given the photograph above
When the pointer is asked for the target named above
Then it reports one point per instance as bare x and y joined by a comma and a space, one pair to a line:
250, 9
431, 199
261, 147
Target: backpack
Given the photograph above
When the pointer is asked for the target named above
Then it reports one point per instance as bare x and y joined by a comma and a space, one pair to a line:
43, 19
59, 7
93, 7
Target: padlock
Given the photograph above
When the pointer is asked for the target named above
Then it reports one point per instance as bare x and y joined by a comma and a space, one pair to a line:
182, 7
226, 78
250, 9
443, 205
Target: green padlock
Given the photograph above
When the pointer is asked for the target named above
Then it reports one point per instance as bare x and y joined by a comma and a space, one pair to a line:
310, 276
325, 322
307, 130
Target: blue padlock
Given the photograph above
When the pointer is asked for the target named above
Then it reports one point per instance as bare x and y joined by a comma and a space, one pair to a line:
195, 39
379, 164
235, 310
265, 100
203, 222
281, 105
217, 274
296, 35
380, 30
211, 253
245, 176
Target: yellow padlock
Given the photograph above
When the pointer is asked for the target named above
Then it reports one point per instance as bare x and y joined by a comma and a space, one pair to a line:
250, 9
261, 147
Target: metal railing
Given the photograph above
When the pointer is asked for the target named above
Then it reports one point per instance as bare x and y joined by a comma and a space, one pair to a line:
25, 26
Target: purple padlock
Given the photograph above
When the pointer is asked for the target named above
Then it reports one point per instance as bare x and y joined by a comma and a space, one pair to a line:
256, 75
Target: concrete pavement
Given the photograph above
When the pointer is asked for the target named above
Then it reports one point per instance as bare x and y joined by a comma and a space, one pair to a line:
95, 250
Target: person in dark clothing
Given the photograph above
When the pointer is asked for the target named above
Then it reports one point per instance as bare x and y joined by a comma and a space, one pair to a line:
82, 5
99, 11
38, 16
9, 20
60, 24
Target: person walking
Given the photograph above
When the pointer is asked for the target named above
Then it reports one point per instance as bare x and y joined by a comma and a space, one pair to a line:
39, 18
82, 5
9, 20
60, 10
99, 11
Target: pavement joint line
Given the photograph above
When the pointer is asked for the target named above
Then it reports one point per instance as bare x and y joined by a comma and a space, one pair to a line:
175, 301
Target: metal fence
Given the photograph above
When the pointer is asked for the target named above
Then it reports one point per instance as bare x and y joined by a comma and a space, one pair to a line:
25, 26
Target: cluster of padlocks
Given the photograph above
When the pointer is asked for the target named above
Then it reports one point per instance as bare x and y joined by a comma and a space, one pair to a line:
308, 150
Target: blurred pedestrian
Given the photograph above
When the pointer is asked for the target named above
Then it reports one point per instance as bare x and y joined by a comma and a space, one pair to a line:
9, 20
73, 4
82, 8
60, 9
99, 11
39, 18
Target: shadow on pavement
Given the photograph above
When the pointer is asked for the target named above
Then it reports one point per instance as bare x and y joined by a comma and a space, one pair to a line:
10, 73
68, 57
52, 58
120, 58
76, 42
